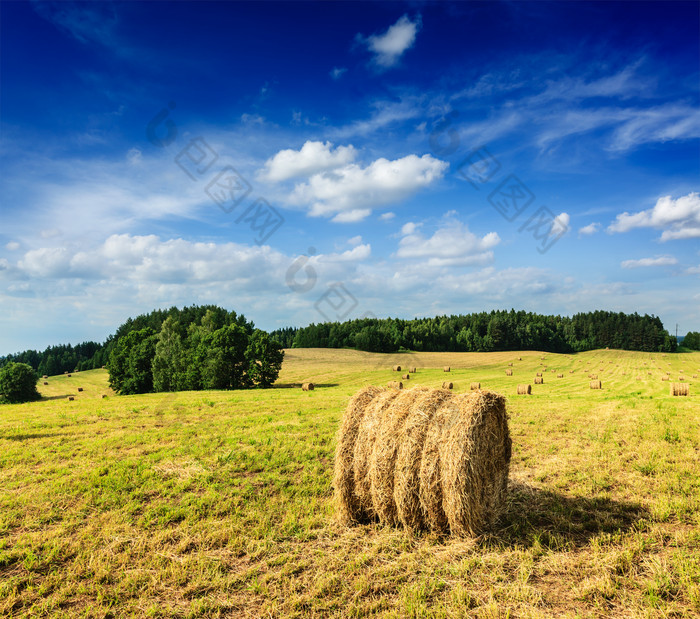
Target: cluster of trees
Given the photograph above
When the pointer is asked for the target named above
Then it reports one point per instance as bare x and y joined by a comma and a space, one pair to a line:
62, 358
692, 340
492, 331
18, 383
194, 348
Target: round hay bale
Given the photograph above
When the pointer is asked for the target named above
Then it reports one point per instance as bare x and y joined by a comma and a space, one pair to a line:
695, 375
665, 378
596, 384
307, 386
397, 368
71, 398
446, 368
539, 380
520, 358
475, 386
69, 375
395, 384
560, 376
509, 372
80, 388
347, 504
423, 458
104, 396
412, 370
668, 373
510, 365
538, 374
571, 371
45, 376
46, 383
406, 376
524, 389
593, 376
447, 385
680, 389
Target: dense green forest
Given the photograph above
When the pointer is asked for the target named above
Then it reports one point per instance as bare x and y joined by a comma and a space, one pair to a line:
485, 331
488, 331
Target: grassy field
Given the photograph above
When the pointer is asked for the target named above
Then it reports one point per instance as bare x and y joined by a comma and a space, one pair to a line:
206, 504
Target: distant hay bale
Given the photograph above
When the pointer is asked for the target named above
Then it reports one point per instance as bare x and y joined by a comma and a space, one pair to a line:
66, 372
406, 376
538, 374
520, 358
412, 370
45, 376
695, 375
509, 372
542, 358
596, 384
668, 373
46, 383
593, 376
447, 385
423, 459
475, 386
560, 376
571, 371
80, 388
307, 386
69, 375
104, 396
395, 384
510, 365
539, 380
397, 368
446, 368
524, 389
680, 389
70, 397
665, 378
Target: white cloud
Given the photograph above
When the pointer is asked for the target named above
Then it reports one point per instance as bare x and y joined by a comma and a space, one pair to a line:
409, 228
390, 46
12, 246
679, 218
313, 157
659, 261
560, 225
355, 240
591, 228
452, 245
693, 270
387, 216
337, 72
350, 192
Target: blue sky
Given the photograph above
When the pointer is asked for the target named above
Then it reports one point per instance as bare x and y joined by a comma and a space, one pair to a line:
306, 161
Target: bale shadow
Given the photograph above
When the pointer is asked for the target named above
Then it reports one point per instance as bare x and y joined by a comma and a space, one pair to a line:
535, 516
57, 397
298, 385
25, 437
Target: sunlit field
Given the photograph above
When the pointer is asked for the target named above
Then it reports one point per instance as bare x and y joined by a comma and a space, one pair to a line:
220, 503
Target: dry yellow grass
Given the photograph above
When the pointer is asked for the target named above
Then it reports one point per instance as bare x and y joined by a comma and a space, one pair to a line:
219, 503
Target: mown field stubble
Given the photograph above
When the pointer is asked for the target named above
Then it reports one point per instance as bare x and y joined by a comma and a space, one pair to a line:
220, 503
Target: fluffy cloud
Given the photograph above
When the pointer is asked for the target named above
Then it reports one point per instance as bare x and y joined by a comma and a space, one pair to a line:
12, 246
313, 157
350, 192
560, 225
659, 261
451, 245
679, 218
591, 228
390, 46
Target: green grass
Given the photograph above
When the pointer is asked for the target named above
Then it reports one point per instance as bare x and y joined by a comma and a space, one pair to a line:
207, 504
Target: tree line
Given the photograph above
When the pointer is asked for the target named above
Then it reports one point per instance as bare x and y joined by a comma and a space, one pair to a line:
498, 330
